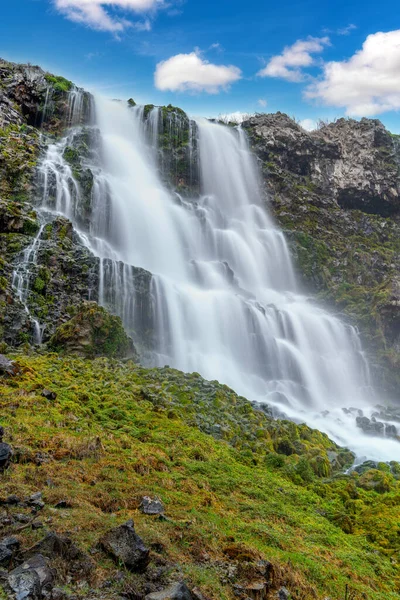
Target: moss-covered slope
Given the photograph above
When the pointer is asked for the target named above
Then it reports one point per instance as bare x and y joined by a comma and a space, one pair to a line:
117, 432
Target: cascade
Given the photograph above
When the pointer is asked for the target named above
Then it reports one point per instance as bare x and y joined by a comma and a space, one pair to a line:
21, 281
224, 297
58, 180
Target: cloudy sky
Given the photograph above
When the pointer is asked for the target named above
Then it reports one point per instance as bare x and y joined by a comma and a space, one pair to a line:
310, 59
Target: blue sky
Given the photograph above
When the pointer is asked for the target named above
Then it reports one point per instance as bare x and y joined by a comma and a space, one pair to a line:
310, 59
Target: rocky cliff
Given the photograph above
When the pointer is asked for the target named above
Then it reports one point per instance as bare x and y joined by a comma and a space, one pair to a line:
227, 502
336, 193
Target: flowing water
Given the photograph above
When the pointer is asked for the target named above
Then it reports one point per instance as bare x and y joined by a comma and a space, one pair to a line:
225, 300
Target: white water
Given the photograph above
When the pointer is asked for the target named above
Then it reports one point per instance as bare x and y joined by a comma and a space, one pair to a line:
226, 301
21, 282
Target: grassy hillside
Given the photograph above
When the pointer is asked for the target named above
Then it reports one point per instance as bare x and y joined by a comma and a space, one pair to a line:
237, 487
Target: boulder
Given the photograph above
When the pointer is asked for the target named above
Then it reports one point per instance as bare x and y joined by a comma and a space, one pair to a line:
31, 579
49, 395
5, 452
35, 501
151, 506
93, 332
6, 366
125, 546
54, 545
5, 556
176, 591
8, 547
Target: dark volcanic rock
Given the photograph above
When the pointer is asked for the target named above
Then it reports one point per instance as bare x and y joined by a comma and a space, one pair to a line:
176, 591
31, 579
5, 454
54, 545
151, 506
5, 555
125, 545
8, 367
49, 395
354, 163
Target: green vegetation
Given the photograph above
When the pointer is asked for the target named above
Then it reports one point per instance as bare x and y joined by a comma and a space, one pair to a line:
117, 431
147, 109
60, 84
92, 332
19, 151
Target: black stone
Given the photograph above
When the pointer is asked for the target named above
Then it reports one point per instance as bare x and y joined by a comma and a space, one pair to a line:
124, 545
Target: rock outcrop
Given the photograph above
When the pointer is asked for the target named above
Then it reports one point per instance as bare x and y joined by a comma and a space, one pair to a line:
45, 269
125, 546
92, 332
336, 193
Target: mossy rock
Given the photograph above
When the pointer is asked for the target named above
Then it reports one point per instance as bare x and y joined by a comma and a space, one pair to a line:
93, 332
376, 480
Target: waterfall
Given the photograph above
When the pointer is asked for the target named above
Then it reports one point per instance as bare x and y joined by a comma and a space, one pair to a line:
22, 280
225, 300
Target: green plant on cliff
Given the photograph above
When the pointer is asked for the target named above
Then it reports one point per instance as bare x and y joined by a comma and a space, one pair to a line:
19, 151
60, 84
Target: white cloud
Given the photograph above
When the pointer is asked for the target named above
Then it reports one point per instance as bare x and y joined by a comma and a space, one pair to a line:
289, 64
346, 30
308, 124
366, 84
93, 13
262, 102
189, 72
217, 47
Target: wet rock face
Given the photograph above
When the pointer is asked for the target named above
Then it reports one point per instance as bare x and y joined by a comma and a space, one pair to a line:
62, 276
335, 191
31, 96
176, 137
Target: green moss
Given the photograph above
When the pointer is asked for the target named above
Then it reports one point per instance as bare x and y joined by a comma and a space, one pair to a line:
147, 110
118, 431
3, 284
72, 156
93, 332
19, 151
60, 84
